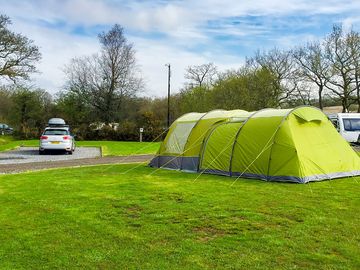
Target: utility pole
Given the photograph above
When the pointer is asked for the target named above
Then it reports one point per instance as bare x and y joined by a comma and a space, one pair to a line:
168, 100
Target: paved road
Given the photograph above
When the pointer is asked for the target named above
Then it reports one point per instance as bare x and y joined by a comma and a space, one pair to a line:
31, 154
28, 159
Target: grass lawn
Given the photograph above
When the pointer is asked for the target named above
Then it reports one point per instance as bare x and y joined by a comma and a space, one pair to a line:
8, 143
109, 148
99, 217
112, 148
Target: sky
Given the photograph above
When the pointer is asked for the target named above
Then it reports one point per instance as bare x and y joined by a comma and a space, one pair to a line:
182, 33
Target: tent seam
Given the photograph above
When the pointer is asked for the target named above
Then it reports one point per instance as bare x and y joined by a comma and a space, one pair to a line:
187, 141
237, 135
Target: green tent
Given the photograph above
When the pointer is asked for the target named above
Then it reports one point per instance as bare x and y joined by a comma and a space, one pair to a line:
294, 145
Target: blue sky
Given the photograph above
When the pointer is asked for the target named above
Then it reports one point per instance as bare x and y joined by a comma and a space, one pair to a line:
178, 32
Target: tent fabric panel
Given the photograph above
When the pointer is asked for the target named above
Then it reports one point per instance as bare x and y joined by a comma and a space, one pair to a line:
177, 138
189, 117
269, 113
309, 114
225, 114
253, 145
215, 114
237, 113
196, 137
200, 131
283, 156
163, 144
284, 161
217, 150
317, 151
186, 118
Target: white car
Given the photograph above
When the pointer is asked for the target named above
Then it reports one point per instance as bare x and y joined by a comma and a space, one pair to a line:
57, 138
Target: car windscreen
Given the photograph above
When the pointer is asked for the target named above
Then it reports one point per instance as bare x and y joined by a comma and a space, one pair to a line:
352, 124
56, 132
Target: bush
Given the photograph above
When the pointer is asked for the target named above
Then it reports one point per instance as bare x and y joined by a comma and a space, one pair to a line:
28, 134
126, 131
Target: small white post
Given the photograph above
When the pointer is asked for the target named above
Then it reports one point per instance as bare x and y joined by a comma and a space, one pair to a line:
141, 132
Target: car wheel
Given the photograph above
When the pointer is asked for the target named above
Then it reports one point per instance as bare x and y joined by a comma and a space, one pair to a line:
70, 152
41, 152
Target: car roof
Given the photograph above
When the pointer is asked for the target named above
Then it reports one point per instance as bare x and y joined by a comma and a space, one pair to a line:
64, 128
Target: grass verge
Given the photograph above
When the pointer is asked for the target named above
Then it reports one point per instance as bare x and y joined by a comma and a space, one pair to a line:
98, 217
113, 148
9, 143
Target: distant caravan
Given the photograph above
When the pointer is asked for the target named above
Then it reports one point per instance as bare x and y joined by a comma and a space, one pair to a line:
348, 125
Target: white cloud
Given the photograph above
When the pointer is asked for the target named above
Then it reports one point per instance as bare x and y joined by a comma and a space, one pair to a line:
154, 55
57, 48
187, 38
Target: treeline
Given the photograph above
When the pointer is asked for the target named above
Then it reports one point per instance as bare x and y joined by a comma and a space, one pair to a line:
28, 111
101, 98
317, 73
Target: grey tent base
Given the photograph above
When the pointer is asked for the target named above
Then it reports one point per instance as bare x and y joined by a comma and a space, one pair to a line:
177, 163
191, 164
286, 178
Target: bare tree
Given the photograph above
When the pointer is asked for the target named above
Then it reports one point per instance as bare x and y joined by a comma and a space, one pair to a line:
313, 66
17, 53
202, 74
339, 54
105, 79
353, 41
281, 65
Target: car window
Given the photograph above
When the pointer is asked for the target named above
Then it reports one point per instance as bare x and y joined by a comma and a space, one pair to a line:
56, 132
334, 122
352, 124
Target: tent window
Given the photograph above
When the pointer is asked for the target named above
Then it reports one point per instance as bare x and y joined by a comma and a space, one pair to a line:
178, 138
352, 124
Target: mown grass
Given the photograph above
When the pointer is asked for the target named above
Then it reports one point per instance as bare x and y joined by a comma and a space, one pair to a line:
113, 148
101, 217
109, 148
9, 143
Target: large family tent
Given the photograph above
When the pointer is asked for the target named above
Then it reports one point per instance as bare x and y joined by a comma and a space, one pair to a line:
293, 145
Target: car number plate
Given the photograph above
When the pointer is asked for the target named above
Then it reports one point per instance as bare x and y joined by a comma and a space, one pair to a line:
55, 142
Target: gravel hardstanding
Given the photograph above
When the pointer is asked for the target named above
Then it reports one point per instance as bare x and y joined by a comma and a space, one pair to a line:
31, 154
28, 159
